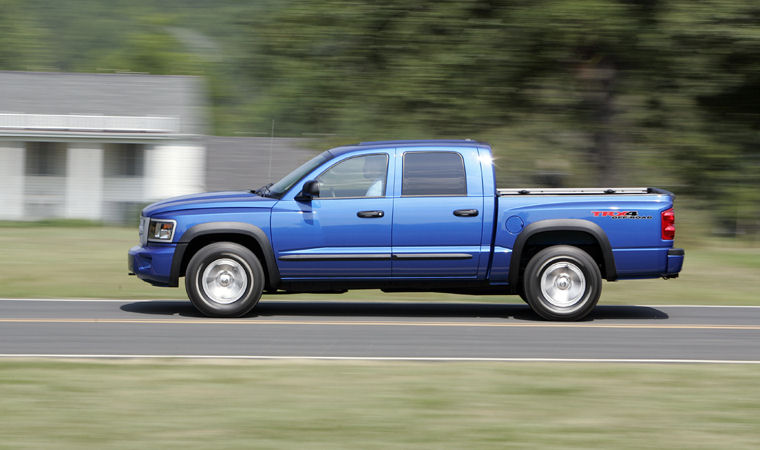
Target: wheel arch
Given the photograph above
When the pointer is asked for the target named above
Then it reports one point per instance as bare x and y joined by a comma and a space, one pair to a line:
245, 234
554, 232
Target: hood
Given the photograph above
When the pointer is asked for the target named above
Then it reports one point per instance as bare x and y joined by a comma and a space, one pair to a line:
209, 200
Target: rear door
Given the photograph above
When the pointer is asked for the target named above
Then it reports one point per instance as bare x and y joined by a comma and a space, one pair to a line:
438, 214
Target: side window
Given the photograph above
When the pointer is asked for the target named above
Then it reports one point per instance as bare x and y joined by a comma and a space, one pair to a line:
433, 174
124, 160
46, 159
361, 176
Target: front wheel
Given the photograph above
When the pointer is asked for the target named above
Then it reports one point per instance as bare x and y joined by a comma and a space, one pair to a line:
562, 283
224, 279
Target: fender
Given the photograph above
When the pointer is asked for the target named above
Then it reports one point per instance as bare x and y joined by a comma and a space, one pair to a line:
240, 228
562, 225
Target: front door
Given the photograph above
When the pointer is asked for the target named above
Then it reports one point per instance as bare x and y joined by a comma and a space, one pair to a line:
345, 232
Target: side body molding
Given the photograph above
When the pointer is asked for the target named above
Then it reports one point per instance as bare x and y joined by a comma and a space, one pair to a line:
562, 225
227, 228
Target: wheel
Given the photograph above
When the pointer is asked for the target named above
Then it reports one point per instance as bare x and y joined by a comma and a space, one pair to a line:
562, 283
224, 279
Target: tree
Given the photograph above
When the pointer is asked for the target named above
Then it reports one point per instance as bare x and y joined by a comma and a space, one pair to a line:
20, 45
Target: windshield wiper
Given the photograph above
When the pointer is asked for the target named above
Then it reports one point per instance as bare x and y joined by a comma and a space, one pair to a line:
263, 190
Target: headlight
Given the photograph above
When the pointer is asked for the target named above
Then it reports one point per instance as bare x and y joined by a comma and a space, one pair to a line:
161, 230
144, 221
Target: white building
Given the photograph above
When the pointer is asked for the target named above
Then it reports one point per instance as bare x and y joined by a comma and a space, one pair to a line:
97, 146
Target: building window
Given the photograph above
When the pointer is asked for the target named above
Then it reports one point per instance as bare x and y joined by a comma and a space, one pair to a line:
46, 159
124, 160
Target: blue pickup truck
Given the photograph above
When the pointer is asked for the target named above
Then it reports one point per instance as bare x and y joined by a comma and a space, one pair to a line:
406, 216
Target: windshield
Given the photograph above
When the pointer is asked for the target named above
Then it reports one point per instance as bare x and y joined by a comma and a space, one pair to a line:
278, 189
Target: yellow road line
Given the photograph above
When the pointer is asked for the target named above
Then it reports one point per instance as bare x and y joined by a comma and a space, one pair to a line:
383, 323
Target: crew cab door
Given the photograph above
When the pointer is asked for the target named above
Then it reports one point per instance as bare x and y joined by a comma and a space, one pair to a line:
438, 215
344, 232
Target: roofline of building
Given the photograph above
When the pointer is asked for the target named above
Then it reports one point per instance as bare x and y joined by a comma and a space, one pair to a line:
78, 136
103, 74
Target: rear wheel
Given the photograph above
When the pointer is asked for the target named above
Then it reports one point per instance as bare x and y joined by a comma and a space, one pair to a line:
224, 279
562, 283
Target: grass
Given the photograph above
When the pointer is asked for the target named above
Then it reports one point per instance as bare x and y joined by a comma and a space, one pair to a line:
40, 260
312, 404
91, 262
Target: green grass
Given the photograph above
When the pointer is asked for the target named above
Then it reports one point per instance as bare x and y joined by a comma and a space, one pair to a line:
43, 261
90, 261
303, 404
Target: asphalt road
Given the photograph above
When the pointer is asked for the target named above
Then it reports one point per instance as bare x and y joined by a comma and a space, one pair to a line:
337, 329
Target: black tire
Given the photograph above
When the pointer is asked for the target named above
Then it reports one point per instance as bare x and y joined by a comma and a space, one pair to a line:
234, 280
562, 283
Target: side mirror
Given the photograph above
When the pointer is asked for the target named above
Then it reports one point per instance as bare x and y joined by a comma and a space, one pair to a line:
309, 191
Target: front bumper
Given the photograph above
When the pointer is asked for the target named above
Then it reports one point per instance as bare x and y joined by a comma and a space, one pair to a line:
675, 262
152, 263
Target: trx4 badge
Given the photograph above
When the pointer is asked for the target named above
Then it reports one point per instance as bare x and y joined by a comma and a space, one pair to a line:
619, 214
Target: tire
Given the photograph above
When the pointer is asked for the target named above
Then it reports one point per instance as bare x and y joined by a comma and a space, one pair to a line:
224, 279
562, 283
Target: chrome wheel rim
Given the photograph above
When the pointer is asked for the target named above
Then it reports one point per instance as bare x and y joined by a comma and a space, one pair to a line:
563, 284
224, 281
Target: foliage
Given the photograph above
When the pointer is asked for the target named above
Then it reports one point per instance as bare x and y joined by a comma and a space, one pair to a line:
20, 44
605, 92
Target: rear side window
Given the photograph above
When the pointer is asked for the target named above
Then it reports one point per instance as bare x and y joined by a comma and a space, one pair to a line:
433, 174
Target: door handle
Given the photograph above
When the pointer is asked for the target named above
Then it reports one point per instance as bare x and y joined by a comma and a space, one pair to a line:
466, 212
370, 214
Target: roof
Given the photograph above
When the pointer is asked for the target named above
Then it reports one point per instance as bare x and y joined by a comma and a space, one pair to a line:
455, 142
409, 143
58, 97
